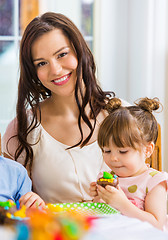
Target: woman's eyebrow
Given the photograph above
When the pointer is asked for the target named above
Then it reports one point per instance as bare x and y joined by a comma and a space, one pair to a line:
39, 59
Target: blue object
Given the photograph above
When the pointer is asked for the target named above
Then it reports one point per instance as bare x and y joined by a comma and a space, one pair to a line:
17, 205
14, 180
22, 232
6, 208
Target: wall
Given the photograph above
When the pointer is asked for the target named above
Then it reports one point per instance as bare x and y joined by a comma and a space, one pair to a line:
132, 58
71, 9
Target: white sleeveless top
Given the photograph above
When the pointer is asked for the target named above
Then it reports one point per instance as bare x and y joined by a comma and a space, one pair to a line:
59, 175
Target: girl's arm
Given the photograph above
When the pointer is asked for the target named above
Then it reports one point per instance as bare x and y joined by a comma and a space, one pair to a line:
155, 204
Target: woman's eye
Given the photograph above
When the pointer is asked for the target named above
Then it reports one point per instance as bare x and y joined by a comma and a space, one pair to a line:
40, 64
62, 54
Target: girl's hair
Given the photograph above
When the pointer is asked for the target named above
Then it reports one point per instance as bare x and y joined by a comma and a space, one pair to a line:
31, 91
132, 126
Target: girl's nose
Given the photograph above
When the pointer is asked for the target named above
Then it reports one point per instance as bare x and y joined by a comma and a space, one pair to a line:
55, 67
113, 158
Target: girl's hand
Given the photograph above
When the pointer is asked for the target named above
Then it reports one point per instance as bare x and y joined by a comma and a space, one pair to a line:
31, 200
115, 197
93, 189
93, 192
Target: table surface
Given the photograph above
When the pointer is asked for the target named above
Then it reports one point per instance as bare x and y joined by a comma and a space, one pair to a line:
124, 228
116, 226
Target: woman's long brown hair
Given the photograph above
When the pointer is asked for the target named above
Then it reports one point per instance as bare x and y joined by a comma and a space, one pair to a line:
31, 92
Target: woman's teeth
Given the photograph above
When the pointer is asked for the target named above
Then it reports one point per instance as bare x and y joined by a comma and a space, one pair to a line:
62, 79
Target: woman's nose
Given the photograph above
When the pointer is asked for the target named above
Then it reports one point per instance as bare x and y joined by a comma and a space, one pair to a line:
55, 67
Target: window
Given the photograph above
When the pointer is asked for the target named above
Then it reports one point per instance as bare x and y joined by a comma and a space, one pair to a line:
9, 40
87, 21
14, 16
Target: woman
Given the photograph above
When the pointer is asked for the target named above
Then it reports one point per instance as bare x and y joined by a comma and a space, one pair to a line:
59, 109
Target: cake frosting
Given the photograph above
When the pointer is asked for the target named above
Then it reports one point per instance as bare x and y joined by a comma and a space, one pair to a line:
108, 179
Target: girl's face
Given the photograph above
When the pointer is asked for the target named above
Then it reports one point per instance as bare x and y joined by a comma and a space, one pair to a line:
125, 162
56, 62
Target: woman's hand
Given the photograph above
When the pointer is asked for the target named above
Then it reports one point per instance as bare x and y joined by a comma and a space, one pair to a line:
115, 197
31, 200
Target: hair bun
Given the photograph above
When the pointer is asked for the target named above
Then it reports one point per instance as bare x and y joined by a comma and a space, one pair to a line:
148, 104
112, 104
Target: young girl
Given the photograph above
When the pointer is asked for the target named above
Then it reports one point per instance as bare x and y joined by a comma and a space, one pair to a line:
127, 137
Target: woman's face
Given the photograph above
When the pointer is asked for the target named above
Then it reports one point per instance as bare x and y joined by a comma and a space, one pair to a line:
56, 62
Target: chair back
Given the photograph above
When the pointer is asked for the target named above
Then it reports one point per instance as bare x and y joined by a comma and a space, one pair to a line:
155, 160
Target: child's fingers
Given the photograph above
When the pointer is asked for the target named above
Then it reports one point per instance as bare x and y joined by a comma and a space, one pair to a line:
11, 201
107, 188
106, 192
96, 199
93, 189
31, 200
93, 184
38, 203
111, 189
28, 201
23, 199
93, 193
101, 189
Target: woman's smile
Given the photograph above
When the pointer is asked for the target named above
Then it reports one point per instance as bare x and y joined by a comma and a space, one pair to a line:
62, 80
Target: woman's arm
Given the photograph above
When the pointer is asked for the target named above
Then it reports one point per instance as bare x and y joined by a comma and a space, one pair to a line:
9, 146
155, 204
10, 143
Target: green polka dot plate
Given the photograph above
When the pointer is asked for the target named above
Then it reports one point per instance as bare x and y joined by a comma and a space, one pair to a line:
88, 208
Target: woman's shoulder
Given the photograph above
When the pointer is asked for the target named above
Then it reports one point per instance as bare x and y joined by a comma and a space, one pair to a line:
10, 131
9, 139
12, 126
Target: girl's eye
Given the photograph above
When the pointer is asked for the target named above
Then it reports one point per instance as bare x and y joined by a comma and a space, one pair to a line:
123, 151
62, 54
106, 151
